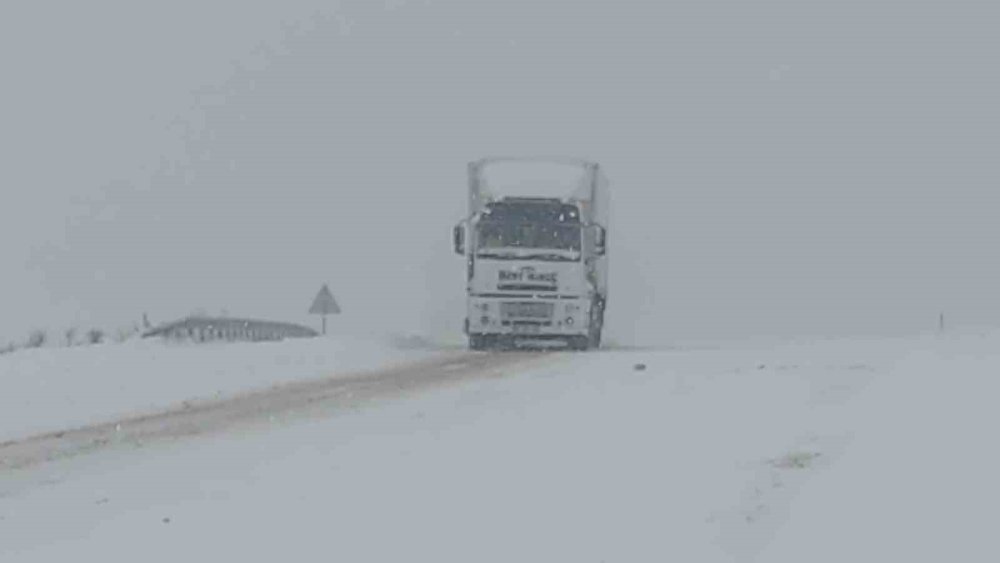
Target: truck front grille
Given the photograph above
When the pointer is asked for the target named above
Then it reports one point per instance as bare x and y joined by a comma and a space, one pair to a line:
531, 310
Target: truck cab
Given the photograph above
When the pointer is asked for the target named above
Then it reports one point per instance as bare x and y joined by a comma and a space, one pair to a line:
536, 271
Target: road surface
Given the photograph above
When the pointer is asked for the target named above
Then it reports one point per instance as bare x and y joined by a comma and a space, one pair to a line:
282, 402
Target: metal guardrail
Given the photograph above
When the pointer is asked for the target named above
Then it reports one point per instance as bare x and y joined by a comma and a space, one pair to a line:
207, 329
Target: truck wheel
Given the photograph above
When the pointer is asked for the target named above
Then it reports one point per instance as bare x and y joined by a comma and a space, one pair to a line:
578, 343
596, 325
595, 340
478, 342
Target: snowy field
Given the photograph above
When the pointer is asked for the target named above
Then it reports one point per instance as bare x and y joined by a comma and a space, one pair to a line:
873, 450
54, 389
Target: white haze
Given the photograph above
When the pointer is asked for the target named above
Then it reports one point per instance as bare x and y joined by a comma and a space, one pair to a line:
780, 168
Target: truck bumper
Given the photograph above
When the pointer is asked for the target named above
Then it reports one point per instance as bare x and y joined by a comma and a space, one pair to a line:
504, 316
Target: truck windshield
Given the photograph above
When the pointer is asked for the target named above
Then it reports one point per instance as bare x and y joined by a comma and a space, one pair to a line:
542, 241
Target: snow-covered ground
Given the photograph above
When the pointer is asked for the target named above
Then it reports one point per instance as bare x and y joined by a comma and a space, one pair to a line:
55, 389
875, 450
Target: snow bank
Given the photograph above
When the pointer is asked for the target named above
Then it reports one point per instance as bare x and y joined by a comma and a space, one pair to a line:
54, 389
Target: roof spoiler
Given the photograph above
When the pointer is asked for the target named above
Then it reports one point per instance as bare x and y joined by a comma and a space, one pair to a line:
586, 195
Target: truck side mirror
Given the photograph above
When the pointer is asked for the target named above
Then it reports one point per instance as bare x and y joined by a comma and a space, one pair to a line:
600, 240
459, 239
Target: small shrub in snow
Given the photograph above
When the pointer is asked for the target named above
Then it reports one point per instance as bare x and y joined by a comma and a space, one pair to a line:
70, 336
411, 342
36, 339
125, 334
796, 460
95, 336
8, 349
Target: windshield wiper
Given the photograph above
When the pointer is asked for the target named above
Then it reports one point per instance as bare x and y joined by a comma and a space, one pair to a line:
549, 256
499, 255
526, 255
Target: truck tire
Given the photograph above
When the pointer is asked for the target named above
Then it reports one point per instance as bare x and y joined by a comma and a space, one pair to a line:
595, 340
478, 342
596, 324
578, 343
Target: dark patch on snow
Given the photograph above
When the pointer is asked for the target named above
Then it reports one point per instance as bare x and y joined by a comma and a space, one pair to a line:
795, 460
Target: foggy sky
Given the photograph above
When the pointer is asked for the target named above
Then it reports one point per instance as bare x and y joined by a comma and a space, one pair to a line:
779, 168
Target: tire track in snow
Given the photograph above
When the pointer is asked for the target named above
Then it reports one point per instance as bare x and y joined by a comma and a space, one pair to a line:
287, 401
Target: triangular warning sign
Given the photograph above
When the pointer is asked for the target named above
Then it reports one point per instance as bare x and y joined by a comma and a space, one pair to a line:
324, 304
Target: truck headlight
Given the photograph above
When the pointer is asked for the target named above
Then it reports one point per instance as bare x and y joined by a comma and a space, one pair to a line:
569, 321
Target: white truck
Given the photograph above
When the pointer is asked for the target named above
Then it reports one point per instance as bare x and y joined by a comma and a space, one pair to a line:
536, 265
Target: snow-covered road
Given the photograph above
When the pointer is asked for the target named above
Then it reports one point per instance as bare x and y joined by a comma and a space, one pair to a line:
50, 390
267, 406
813, 451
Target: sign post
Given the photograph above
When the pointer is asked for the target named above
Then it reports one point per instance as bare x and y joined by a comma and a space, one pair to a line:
324, 304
